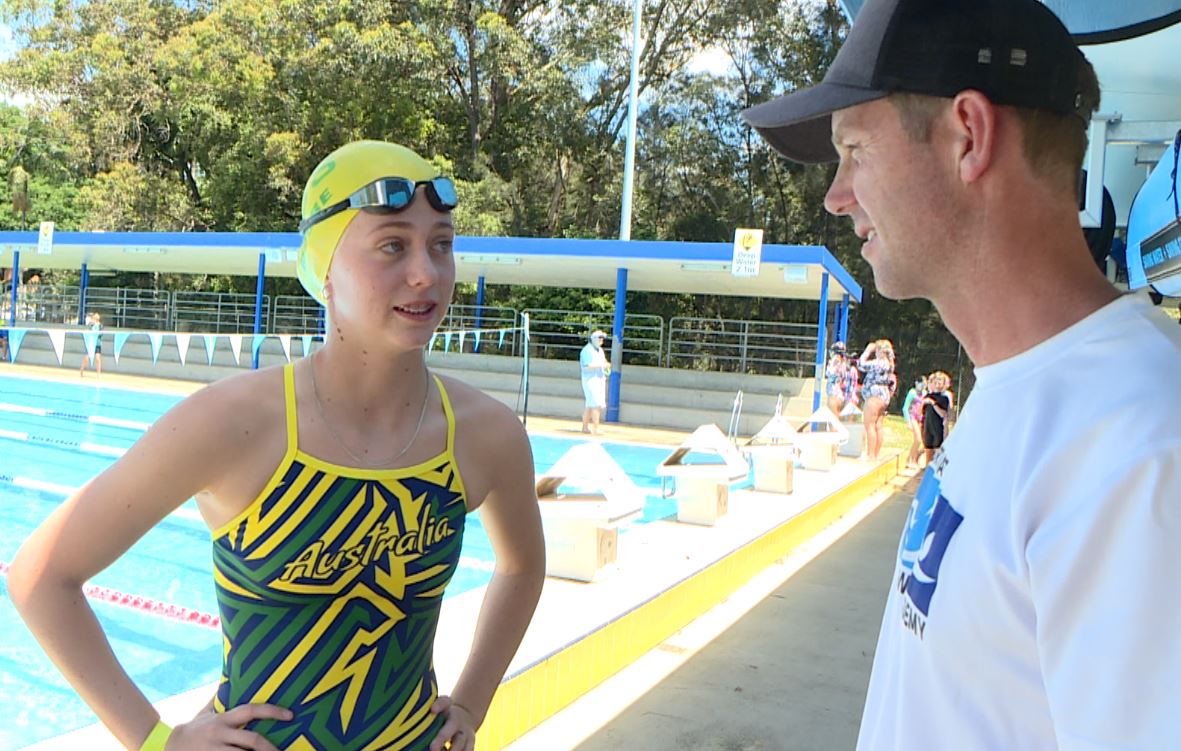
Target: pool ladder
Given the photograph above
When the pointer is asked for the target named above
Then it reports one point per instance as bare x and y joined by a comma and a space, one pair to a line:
735, 416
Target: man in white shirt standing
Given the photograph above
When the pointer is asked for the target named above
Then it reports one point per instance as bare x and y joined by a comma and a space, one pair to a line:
595, 368
1036, 600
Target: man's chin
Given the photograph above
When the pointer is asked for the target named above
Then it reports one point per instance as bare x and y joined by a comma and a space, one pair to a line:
893, 288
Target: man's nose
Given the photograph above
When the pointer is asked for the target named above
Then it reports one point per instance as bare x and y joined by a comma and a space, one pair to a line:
839, 198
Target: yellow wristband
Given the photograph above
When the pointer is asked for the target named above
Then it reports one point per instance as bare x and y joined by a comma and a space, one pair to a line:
157, 738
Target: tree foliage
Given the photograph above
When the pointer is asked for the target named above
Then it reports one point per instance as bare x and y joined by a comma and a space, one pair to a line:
203, 115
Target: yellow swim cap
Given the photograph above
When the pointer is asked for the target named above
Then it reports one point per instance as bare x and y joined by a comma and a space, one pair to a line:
339, 175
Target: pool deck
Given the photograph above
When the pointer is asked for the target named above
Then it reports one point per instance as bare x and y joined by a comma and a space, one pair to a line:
667, 576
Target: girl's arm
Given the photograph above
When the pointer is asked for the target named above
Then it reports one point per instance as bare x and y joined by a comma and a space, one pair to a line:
92, 529
512, 519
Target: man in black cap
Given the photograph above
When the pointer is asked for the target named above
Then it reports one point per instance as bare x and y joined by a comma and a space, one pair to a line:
1036, 602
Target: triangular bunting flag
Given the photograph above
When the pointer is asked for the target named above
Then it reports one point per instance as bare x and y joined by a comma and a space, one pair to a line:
447, 342
461, 335
434, 338
120, 340
90, 339
210, 345
15, 337
307, 344
502, 333
256, 345
236, 347
58, 338
156, 339
285, 341
182, 346
476, 334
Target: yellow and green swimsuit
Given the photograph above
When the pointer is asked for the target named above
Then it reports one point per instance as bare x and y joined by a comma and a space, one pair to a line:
329, 586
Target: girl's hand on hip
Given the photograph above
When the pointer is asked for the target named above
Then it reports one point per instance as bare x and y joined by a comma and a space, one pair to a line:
459, 732
214, 731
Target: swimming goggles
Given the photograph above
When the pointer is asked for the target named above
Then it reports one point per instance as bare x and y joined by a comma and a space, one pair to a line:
390, 194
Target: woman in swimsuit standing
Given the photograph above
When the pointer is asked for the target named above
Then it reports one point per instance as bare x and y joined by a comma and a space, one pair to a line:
336, 491
877, 362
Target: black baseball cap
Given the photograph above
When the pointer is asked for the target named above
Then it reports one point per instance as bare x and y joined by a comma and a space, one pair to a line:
1016, 52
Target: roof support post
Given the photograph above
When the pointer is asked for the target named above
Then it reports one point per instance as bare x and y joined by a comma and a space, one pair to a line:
844, 335
821, 343
479, 310
82, 285
16, 280
262, 276
613, 381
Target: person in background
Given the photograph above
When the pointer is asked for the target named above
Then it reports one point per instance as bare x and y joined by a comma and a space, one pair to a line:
1034, 599
95, 322
877, 362
912, 411
837, 374
936, 405
595, 369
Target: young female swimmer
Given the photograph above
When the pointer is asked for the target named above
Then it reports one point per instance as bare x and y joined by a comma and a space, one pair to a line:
336, 491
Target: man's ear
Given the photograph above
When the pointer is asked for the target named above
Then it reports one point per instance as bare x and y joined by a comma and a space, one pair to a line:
974, 120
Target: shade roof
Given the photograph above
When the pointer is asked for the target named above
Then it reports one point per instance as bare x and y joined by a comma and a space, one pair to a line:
786, 271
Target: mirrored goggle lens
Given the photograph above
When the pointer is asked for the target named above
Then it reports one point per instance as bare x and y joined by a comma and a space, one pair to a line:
444, 191
398, 192
440, 192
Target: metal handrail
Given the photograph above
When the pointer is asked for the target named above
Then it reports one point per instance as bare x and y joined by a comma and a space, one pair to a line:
219, 312
561, 334
298, 314
771, 348
735, 416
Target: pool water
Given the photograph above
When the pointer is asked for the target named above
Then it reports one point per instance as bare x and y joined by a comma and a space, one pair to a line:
54, 437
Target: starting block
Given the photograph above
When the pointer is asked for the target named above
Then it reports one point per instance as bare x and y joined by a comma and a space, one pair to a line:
851, 419
581, 525
819, 438
773, 453
703, 490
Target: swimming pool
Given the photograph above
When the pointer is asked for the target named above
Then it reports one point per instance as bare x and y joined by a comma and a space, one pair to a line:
157, 601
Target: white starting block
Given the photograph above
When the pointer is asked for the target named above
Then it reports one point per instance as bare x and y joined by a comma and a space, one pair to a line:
581, 527
819, 438
851, 419
773, 452
703, 490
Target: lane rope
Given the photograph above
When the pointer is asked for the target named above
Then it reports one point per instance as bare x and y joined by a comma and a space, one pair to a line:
95, 419
142, 604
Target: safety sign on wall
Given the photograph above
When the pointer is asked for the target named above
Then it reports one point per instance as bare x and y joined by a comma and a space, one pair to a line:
45, 239
748, 248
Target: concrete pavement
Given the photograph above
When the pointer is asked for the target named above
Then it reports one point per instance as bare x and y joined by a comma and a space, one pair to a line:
791, 675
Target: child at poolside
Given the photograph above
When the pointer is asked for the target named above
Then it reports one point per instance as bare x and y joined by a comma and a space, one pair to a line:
937, 404
912, 411
336, 490
95, 322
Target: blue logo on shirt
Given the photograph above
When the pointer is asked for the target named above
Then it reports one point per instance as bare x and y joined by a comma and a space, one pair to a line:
929, 529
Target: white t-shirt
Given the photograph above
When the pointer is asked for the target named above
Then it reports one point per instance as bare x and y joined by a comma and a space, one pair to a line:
1036, 603
592, 355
